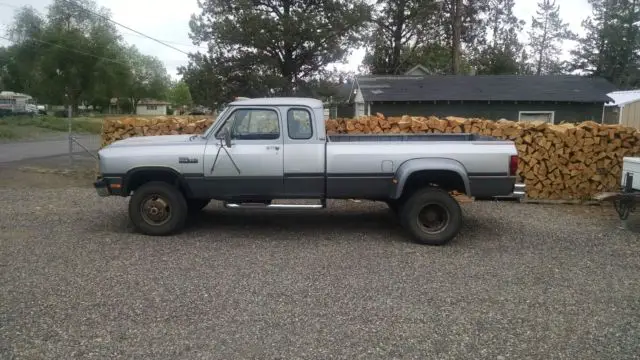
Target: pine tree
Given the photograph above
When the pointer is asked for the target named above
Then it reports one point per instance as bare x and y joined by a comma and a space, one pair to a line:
501, 55
610, 46
465, 29
546, 36
401, 28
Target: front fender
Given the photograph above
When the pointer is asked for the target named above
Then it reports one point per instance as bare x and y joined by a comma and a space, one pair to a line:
411, 166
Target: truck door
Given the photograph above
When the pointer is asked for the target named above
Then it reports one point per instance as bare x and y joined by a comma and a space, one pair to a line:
252, 167
304, 155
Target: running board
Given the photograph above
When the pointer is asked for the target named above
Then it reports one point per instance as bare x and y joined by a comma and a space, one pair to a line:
274, 206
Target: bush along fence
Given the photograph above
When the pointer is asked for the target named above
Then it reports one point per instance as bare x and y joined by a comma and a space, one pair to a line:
566, 161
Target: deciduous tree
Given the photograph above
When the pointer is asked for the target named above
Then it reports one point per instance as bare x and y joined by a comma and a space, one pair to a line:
179, 94
279, 41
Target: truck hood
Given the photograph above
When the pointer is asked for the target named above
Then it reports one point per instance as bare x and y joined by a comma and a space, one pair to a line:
153, 140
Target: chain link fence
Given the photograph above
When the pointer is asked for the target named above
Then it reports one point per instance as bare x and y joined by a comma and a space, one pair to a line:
84, 139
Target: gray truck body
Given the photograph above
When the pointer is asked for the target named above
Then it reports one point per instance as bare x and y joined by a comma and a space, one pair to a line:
283, 164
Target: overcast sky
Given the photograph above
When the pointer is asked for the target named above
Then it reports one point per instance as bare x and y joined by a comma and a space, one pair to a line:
168, 20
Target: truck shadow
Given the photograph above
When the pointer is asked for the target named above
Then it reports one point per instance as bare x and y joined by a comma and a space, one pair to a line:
321, 220
373, 222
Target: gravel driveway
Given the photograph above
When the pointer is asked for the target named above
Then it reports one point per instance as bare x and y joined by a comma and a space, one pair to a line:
521, 281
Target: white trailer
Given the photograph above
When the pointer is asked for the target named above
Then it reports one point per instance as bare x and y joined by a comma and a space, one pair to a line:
17, 103
627, 199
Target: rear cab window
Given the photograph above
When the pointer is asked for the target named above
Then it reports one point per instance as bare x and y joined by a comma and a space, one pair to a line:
299, 125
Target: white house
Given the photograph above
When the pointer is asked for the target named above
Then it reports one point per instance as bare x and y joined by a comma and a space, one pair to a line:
151, 107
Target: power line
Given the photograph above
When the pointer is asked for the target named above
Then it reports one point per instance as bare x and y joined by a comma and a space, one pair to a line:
138, 34
124, 26
170, 42
70, 49
9, 5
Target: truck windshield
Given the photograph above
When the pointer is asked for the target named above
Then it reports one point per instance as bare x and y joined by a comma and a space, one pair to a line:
222, 113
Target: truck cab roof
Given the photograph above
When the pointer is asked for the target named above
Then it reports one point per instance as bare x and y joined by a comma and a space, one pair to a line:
279, 101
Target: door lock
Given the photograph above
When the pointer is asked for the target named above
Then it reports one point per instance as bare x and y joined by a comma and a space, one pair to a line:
273, 147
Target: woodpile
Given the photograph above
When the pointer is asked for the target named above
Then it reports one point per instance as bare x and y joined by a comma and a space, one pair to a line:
566, 161
121, 128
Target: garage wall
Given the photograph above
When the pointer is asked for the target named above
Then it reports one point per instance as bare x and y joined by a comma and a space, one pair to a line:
567, 112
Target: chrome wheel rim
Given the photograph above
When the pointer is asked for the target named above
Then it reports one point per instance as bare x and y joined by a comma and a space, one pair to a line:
433, 218
155, 210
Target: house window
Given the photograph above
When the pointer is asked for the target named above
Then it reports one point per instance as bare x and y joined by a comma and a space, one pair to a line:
546, 116
152, 107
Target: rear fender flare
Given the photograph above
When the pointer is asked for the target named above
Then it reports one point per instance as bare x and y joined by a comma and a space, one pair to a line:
411, 166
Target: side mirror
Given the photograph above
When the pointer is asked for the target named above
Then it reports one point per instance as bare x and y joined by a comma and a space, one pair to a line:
226, 136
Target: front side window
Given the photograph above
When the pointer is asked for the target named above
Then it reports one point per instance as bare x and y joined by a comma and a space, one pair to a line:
252, 124
299, 124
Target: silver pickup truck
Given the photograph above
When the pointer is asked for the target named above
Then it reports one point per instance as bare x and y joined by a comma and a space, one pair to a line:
259, 151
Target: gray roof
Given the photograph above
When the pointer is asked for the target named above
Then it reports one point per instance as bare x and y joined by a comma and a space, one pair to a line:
277, 101
485, 88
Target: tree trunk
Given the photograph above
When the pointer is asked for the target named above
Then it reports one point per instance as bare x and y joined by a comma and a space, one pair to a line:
397, 38
288, 66
543, 44
456, 38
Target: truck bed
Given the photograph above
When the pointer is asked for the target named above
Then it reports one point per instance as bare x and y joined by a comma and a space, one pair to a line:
364, 166
408, 137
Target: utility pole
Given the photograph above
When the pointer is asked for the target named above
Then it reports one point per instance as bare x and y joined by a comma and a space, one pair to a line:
69, 135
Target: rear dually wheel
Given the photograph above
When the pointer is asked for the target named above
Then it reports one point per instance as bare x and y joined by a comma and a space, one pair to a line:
431, 216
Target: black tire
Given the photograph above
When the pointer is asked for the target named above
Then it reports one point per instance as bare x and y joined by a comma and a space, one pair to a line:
431, 216
394, 206
196, 205
167, 200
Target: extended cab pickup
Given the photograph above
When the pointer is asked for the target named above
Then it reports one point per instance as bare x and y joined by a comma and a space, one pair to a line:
262, 150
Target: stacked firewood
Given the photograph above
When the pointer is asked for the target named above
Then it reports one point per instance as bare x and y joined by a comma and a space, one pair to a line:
121, 128
566, 161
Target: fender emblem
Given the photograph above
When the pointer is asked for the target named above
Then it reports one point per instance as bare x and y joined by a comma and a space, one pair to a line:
186, 160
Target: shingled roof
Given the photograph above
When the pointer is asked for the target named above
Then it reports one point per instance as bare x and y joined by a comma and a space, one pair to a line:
567, 88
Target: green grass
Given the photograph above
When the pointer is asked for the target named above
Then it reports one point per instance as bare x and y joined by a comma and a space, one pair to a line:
13, 125
7, 133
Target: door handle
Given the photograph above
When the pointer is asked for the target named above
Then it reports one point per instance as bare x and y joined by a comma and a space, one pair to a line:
273, 147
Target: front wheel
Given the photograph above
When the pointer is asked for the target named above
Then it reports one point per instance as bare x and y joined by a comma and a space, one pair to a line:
431, 216
158, 208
